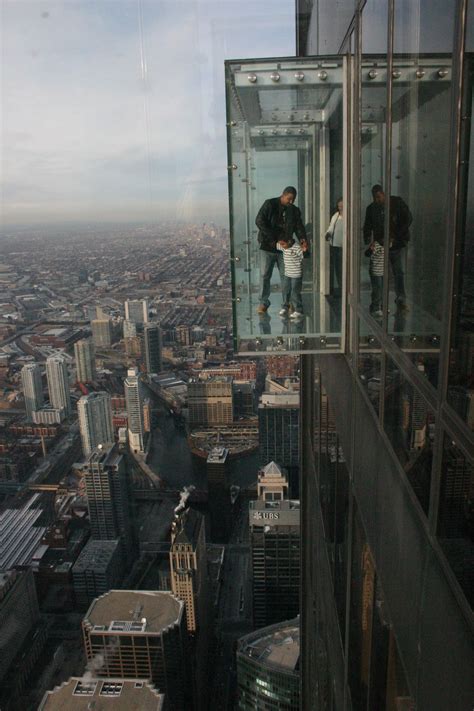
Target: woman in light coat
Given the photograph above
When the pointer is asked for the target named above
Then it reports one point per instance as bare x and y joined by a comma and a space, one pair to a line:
335, 237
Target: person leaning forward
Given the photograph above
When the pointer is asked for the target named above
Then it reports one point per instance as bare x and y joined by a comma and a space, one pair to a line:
277, 219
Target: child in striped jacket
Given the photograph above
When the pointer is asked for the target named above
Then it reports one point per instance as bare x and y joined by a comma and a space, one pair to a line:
292, 281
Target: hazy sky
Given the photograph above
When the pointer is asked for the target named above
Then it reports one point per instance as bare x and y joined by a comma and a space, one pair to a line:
114, 110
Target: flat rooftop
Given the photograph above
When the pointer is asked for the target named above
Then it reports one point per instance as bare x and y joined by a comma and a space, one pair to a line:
277, 646
158, 609
101, 695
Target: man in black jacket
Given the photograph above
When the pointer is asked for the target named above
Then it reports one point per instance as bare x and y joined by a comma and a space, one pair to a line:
399, 235
277, 219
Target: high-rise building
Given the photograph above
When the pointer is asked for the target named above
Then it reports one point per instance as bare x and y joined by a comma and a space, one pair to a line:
108, 495
210, 401
141, 635
129, 329
275, 547
32, 388
19, 612
218, 488
89, 692
136, 310
58, 383
153, 348
188, 563
278, 426
98, 568
95, 421
268, 662
84, 353
183, 335
102, 332
134, 399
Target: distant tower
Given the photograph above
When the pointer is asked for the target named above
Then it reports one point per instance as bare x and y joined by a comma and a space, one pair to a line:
84, 353
188, 564
134, 399
153, 348
102, 332
32, 388
108, 494
141, 635
95, 421
136, 310
129, 329
58, 383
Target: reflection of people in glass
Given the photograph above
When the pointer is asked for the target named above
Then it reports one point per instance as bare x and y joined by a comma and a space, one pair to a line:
335, 237
375, 252
293, 276
399, 234
278, 218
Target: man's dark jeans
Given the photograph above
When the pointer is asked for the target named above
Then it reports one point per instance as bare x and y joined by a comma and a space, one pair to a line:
267, 264
335, 254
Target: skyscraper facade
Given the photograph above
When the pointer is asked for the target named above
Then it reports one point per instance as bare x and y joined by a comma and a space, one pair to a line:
275, 548
102, 332
141, 635
58, 383
84, 353
19, 612
210, 401
32, 388
108, 495
95, 421
136, 310
268, 668
134, 399
188, 564
153, 348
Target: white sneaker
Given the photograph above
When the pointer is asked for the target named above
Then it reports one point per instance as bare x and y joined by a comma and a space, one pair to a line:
296, 314
283, 312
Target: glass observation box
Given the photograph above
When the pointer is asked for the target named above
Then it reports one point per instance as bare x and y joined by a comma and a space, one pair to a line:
285, 128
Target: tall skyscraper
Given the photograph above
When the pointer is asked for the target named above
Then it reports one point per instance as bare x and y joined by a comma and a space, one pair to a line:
102, 332
210, 401
268, 663
84, 353
98, 568
129, 329
141, 635
275, 547
58, 383
134, 399
95, 421
188, 563
278, 423
136, 310
32, 388
153, 348
108, 495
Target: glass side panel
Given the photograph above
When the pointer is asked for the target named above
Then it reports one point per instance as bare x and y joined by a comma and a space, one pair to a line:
285, 129
409, 425
455, 519
421, 127
461, 371
369, 364
373, 126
